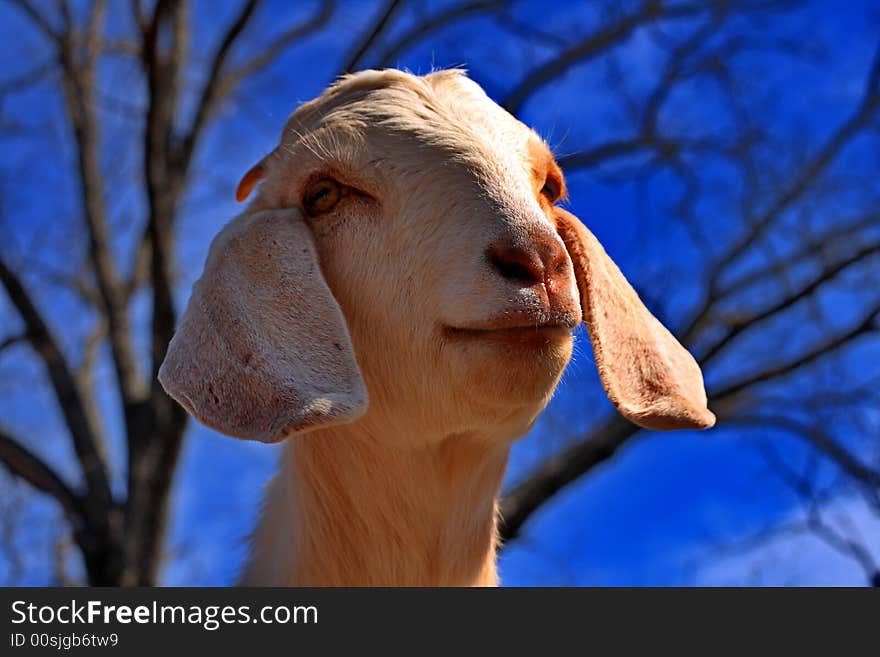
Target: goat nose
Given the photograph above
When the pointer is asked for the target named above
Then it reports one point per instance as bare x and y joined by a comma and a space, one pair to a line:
516, 263
540, 262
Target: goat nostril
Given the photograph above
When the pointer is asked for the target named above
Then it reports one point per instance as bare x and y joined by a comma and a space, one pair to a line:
516, 264
561, 268
515, 271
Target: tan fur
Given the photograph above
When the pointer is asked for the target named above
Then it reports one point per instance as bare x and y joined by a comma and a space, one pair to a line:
454, 282
367, 515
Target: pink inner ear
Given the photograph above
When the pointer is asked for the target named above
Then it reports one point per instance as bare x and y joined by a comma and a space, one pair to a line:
263, 350
647, 374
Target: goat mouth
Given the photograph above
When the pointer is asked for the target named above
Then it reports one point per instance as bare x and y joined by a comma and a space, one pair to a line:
518, 328
523, 334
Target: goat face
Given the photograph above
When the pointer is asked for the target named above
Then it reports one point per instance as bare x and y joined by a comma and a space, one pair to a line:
432, 213
435, 239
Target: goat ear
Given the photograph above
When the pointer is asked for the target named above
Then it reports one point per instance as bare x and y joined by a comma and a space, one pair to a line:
250, 180
647, 374
263, 351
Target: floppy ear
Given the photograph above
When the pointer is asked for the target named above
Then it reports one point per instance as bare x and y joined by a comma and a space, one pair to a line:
263, 351
651, 379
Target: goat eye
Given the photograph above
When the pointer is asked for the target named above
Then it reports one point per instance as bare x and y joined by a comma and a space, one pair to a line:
322, 196
551, 190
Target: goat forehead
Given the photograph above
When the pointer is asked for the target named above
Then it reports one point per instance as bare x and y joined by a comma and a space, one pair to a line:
402, 116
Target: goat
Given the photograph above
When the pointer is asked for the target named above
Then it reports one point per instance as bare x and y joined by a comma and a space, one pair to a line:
399, 300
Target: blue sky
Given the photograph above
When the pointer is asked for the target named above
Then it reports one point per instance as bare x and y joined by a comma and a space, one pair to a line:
642, 519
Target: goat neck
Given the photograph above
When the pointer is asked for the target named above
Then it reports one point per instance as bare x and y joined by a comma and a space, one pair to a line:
348, 510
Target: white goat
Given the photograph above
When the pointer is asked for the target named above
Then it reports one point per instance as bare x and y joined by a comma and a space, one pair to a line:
406, 242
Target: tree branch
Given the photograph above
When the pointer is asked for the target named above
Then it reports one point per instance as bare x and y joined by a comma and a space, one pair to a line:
647, 137
371, 36
608, 36
37, 19
12, 340
210, 91
432, 25
28, 78
865, 325
666, 147
816, 437
277, 46
826, 274
526, 497
806, 177
140, 269
809, 174
163, 176
843, 233
67, 392
78, 86
813, 500
24, 464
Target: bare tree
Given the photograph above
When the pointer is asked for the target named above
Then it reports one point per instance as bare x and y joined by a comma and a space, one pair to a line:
120, 530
